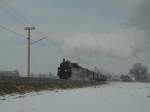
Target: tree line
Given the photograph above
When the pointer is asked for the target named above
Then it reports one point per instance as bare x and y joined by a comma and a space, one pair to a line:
138, 72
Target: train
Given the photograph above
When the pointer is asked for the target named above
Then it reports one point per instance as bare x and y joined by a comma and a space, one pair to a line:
73, 71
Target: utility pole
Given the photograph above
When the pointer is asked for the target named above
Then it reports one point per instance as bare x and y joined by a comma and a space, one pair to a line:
29, 43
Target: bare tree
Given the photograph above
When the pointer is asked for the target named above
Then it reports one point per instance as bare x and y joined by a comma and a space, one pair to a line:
139, 72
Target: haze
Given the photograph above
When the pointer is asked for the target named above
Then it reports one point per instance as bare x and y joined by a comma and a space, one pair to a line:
112, 35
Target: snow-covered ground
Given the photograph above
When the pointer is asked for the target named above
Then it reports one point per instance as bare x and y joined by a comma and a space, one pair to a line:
113, 97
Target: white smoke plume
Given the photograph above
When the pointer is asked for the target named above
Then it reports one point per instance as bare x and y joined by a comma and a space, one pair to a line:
121, 43
140, 19
130, 41
141, 16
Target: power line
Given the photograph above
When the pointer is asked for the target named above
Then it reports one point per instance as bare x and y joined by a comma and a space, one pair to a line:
18, 17
38, 40
14, 13
22, 20
18, 34
11, 31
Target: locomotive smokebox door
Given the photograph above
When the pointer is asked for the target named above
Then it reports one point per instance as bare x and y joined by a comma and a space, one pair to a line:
64, 70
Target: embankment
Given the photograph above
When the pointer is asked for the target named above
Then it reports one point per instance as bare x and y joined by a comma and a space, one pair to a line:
10, 85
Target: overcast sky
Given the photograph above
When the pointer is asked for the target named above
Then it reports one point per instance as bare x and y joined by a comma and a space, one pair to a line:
109, 34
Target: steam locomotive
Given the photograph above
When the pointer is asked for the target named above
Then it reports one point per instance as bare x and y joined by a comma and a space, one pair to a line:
72, 71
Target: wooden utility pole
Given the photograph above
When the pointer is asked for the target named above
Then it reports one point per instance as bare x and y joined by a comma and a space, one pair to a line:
29, 43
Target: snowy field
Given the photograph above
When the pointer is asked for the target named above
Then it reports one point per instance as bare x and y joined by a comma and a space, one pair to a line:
113, 97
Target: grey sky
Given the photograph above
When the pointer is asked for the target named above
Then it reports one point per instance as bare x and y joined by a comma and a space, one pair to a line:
64, 20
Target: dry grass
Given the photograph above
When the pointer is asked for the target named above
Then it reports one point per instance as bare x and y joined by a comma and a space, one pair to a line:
24, 86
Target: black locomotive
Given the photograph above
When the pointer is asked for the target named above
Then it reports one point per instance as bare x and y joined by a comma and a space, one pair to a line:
72, 71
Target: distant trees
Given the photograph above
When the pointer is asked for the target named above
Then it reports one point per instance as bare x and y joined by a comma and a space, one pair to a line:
139, 72
14, 73
100, 76
17, 72
125, 78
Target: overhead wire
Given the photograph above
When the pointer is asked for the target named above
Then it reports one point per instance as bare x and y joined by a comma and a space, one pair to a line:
16, 33
14, 13
9, 30
38, 40
24, 22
